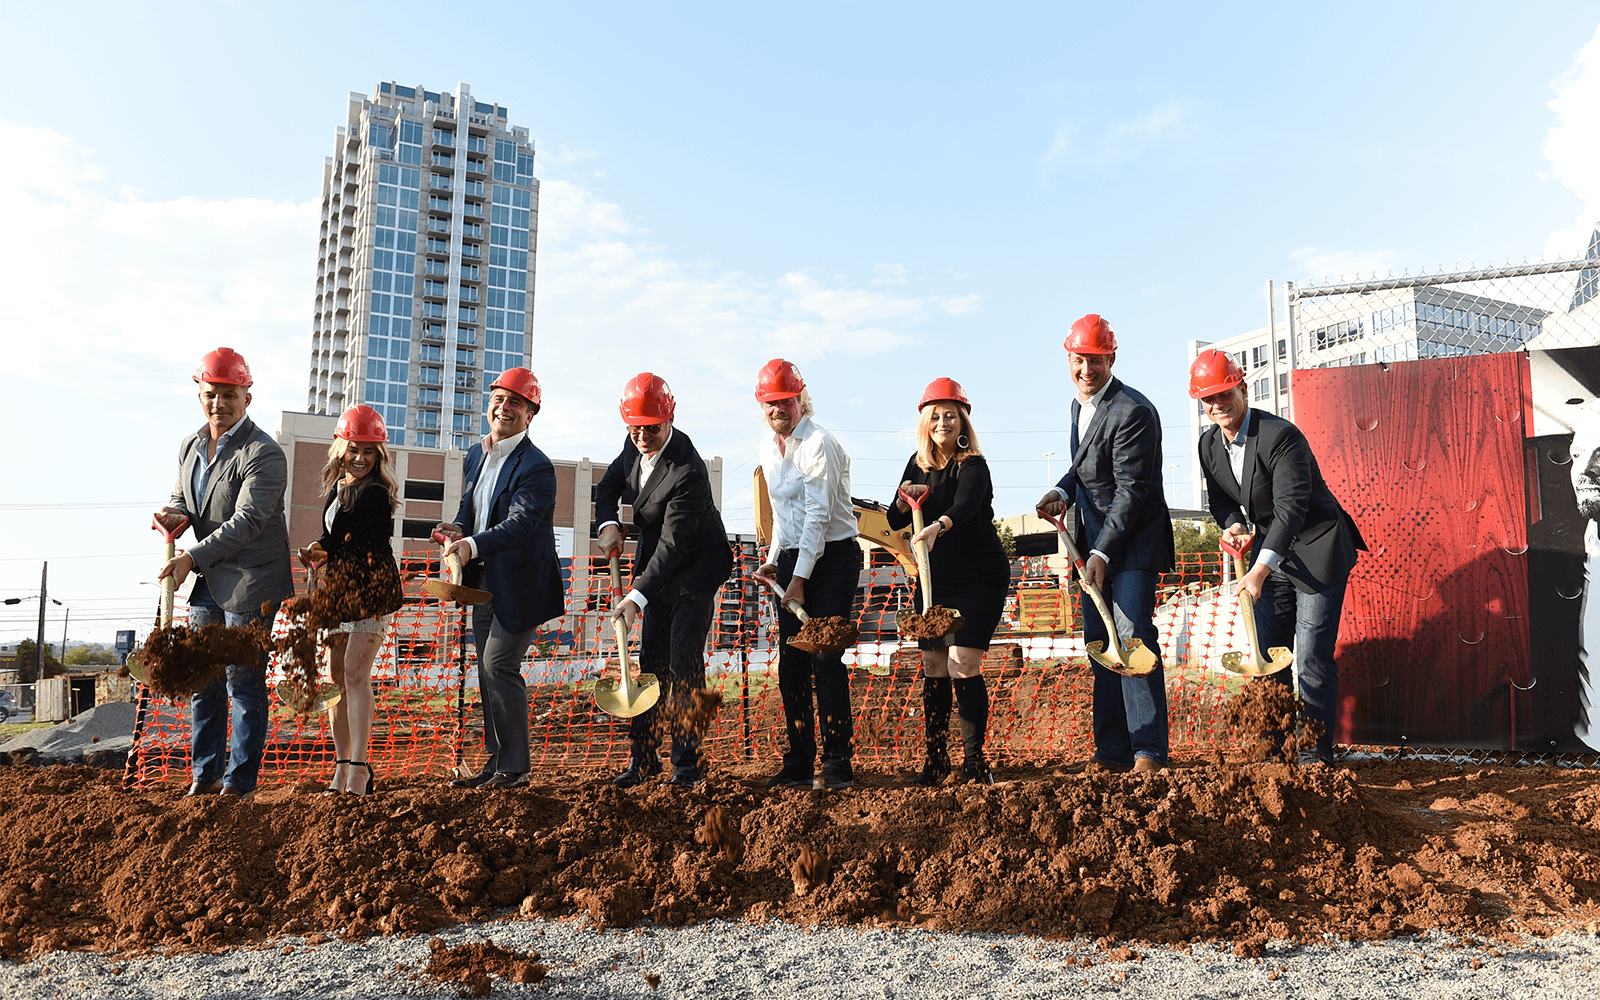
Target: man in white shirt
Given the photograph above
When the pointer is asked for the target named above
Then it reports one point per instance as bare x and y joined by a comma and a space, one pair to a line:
505, 535
814, 556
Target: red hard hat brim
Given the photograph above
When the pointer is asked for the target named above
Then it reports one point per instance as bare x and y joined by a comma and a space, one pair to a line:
772, 396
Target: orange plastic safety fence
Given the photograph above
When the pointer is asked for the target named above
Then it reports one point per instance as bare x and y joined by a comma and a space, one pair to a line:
427, 719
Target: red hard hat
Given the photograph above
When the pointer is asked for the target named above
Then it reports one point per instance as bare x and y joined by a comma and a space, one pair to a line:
224, 366
646, 399
361, 423
1091, 335
778, 379
520, 381
1213, 372
944, 388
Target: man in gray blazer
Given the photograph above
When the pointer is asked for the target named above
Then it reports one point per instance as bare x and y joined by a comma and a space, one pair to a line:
231, 480
1114, 484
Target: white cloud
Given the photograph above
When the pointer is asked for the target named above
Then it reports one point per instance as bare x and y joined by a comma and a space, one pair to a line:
1573, 147
1123, 140
891, 274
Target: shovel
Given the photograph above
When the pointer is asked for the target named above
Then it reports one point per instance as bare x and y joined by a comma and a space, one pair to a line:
924, 572
323, 697
794, 608
169, 587
1250, 663
624, 698
1136, 659
450, 589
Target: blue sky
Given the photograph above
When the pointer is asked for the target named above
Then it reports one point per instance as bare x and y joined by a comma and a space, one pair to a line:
883, 193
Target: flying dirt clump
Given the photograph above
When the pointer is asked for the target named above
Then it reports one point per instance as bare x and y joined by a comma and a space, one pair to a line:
811, 870
719, 832
1267, 714
179, 659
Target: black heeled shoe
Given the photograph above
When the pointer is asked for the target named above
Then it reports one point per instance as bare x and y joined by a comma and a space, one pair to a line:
372, 781
333, 786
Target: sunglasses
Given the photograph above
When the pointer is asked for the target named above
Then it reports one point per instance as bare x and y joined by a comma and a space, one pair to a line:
650, 428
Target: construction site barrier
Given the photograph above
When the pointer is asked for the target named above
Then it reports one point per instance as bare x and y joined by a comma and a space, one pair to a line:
428, 720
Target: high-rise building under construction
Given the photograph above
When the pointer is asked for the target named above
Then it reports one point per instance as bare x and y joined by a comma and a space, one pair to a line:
425, 264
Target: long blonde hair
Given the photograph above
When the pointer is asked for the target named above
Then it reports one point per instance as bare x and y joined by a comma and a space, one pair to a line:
333, 471
927, 454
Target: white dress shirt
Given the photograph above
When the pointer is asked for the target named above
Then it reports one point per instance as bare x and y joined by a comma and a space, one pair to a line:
808, 481
647, 468
1086, 411
494, 459
1235, 447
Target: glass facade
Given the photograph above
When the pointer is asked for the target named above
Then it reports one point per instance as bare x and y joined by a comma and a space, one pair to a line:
425, 268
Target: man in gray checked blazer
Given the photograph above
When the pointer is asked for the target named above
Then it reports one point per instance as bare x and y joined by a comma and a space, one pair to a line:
231, 480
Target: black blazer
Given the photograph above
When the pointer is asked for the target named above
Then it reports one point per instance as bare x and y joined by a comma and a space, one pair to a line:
360, 560
516, 560
683, 547
1283, 495
1115, 483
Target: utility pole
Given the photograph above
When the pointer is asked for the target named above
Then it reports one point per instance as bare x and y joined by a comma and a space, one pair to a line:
44, 595
64, 620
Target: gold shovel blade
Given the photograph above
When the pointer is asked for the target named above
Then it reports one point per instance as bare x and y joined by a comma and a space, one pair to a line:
626, 701
137, 672
446, 591
1140, 659
294, 697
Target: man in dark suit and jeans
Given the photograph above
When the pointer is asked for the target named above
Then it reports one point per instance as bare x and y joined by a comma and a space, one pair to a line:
680, 563
231, 480
505, 535
1259, 470
1114, 484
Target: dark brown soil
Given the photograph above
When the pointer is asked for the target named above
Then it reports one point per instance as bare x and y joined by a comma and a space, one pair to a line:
833, 633
1269, 711
939, 621
474, 966
179, 660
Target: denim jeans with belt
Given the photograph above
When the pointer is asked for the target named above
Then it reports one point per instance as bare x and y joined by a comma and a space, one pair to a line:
1130, 713
1309, 625
245, 688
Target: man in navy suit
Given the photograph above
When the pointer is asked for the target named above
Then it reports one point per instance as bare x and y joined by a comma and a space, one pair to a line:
505, 535
231, 480
1259, 470
1114, 484
680, 563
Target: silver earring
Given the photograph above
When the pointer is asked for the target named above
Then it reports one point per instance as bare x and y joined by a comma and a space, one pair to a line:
962, 442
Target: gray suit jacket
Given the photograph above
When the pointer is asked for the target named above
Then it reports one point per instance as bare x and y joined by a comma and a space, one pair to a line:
241, 539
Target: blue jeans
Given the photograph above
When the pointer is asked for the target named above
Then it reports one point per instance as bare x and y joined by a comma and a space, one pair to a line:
246, 688
1309, 625
1130, 713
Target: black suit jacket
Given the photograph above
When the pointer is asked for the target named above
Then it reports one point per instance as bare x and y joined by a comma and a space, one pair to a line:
1283, 495
516, 560
683, 547
359, 552
1115, 483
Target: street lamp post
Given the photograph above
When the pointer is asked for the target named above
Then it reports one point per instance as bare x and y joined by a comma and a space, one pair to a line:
1047, 473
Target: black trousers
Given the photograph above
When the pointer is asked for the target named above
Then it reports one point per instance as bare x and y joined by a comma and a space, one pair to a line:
830, 591
672, 645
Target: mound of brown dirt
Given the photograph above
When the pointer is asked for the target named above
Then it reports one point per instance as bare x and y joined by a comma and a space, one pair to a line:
834, 632
1241, 852
474, 966
938, 621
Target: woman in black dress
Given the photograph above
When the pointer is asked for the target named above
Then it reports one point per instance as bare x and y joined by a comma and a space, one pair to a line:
970, 573
361, 584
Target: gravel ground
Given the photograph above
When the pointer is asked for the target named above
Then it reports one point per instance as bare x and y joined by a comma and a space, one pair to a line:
724, 959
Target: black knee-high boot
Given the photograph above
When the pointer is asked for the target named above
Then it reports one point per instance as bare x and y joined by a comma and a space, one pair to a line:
936, 727
972, 695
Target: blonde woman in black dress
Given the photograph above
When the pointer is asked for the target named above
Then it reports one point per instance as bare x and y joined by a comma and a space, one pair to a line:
970, 574
359, 573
